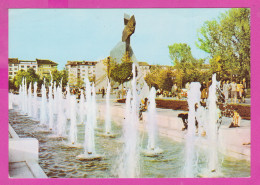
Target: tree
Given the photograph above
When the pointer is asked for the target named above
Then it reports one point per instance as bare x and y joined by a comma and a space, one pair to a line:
30, 76
122, 73
185, 64
227, 40
159, 77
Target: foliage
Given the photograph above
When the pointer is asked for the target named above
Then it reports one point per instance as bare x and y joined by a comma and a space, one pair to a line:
122, 73
30, 76
187, 68
227, 40
110, 64
59, 76
159, 77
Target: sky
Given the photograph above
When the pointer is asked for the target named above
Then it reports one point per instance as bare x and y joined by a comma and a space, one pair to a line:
63, 35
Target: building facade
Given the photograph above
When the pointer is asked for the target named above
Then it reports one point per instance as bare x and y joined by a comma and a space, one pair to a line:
41, 67
44, 67
79, 70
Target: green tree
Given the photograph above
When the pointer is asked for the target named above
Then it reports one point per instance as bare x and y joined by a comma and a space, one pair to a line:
185, 64
159, 77
227, 40
30, 76
122, 73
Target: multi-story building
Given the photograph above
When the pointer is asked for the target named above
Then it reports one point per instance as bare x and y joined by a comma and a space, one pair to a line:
79, 70
144, 67
42, 67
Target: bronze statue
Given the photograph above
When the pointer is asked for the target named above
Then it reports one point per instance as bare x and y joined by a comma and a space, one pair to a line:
128, 30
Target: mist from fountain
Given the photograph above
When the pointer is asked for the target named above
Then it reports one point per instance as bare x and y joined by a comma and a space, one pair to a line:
10, 101
108, 114
152, 130
51, 120
81, 107
29, 100
35, 102
43, 113
73, 121
89, 142
190, 153
68, 107
128, 166
212, 128
61, 118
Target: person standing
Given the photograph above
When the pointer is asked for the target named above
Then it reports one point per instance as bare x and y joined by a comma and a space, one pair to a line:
244, 90
103, 92
225, 91
203, 90
233, 86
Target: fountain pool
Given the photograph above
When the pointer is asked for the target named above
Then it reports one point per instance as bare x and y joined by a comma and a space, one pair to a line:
59, 161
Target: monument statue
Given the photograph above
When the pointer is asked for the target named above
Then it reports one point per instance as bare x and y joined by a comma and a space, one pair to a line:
128, 30
124, 46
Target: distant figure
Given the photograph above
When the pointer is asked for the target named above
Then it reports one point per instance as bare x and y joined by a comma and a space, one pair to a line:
174, 90
143, 108
244, 90
236, 120
225, 90
233, 86
203, 90
103, 92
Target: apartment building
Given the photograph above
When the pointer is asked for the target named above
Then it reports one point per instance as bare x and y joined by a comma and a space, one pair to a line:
79, 70
41, 66
44, 67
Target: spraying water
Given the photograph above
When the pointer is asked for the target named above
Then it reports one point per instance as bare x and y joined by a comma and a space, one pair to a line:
29, 102
73, 123
35, 104
81, 107
50, 108
43, 113
61, 119
212, 127
190, 154
152, 122
89, 130
129, 161
108, 115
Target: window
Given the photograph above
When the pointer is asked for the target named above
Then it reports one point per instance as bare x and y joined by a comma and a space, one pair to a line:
10, 73
34, 67
10, 65
83, 70
22, 66
15, 73
15, 64
15, 69
28, 66
10, 69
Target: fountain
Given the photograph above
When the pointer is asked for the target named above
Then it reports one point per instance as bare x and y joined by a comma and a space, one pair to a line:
43, 113
128, 166
81, 107
61, 118
89, 143
212, 130
51, 106
29, 100
68, 108
152, 149
108, 114
190, 153
10, 105
35, 103
73, 123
